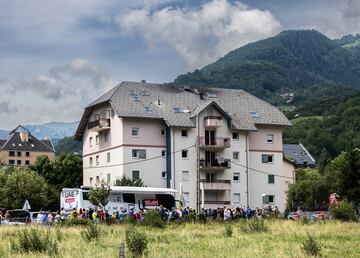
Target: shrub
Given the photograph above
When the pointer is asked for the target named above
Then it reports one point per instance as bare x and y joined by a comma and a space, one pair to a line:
311, 247
76, 222
136, 241
91, 232
343, 211
152, 219
34, 240
253, 226
228, 230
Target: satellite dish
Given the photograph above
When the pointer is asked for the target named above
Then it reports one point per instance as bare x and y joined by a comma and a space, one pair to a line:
26, 205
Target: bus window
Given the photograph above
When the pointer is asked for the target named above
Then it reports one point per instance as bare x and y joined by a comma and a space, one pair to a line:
129, 198
85, 196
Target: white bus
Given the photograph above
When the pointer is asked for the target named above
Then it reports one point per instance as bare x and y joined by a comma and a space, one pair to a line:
125, 197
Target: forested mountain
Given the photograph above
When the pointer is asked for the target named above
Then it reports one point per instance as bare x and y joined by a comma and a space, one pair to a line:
290, 61
314, 80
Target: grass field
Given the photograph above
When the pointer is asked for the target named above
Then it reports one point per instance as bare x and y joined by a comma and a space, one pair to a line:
283, 239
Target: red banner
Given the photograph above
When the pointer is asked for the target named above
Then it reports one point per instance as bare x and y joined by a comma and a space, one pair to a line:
67, 200
151, 202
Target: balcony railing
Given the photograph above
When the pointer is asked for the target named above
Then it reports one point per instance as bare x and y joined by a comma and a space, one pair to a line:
212, 121
216, 164
99, 125
214, 143
216, 184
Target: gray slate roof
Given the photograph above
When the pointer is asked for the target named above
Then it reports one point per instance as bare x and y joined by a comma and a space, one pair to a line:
299, 154
13, 142
236, 103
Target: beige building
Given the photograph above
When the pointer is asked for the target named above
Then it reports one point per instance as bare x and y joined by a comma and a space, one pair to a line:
224, 146
21, 148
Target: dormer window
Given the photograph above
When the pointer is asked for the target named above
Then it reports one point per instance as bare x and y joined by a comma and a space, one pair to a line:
254, 114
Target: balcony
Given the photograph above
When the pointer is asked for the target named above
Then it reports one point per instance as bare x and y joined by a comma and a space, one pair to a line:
216, 184
214, 143
212, 121
216, 164
99, 125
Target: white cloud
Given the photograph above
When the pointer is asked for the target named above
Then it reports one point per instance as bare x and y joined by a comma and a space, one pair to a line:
351, 13
200, 35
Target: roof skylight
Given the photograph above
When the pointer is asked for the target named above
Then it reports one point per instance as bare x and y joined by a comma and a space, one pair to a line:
136, 98
177, 110
211, 95
254, 114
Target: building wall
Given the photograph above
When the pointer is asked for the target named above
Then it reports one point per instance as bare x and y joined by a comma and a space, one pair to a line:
258, 182
4, 157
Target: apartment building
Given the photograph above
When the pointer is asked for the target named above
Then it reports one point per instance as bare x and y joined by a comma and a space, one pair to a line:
21, 148
223, 145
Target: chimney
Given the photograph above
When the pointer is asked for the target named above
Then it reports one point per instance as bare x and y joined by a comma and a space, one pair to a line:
159, 102
24, 136
201, 95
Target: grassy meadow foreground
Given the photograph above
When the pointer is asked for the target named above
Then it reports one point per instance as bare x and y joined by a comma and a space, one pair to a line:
282, 239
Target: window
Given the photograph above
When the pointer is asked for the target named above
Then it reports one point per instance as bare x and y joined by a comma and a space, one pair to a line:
177, 110
163, 153
97, 139
90, 180
185, 175
186, 196
91, 161
19, 153
210, 176
129, 197
97, 160
236, 177
163, 174
106, 137
18, 162
235, 136
11, 162
184, 154
108, 178
211, 95
90, 141
271, 179
235, 155
135, 175
140, 154
135, 132
97, 179
269, 199
270, 138
27, 154
11, 153
163, 132
27, 162
236, 197
267, 158
184, 133
108, 157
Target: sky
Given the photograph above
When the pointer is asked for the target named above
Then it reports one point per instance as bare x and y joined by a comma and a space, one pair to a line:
58, 56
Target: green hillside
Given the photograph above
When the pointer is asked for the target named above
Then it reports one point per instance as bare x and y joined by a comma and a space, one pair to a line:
290, 61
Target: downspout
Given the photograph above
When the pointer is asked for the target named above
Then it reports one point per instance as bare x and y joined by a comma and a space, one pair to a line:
168, 156
247, 169
174, 160
198, 166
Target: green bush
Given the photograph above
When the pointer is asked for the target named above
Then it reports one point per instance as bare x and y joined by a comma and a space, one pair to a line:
311, 247
228, 230
91, 232
343, 211
152, 219
76, 222
253, 226
34, 240
136, 241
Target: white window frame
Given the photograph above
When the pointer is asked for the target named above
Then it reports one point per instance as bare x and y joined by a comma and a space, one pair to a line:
186, 133
91, 161
267, 161
236, 174
97, 139
135, 129
269, 179
132, 174
236, 198
236, 153
187, 154
163, 174
97, 160
267, 201
137, 153
108, 157
237, 137
90, 141
270, 138
185, 175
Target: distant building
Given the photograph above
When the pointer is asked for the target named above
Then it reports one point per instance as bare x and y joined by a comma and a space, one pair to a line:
223, 145
300, 155
21, 148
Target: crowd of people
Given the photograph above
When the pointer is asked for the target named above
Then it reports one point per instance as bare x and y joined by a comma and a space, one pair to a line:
50, 218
